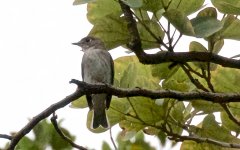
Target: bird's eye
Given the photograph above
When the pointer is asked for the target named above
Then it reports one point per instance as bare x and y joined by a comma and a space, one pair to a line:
88, 40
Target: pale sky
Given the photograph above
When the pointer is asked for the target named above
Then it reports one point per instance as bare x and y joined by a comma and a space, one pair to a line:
37, 61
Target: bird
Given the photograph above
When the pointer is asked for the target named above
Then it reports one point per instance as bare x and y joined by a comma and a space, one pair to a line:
97, 67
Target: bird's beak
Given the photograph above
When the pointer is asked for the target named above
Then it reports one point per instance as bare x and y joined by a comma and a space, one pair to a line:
78, 44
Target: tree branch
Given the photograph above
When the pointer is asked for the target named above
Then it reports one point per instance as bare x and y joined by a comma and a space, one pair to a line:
161, 57
59, 131
5, 136
197, 139
44, 114
181, 138
111, 137
135, 41
230, 115
156, 94
183, 57
85, 88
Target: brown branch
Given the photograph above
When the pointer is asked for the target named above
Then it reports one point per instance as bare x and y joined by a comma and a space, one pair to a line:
44, 114
230, 115
183, 57
179, 138
193, 80
161, 57
85, 88
59, 131
5, 136
157, 94
135, 41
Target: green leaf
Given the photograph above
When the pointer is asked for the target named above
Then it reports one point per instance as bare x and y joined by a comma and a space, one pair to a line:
227, 6
205, 106
208, 12
80, 2
148, 42
206, 26
80, 103
131, 73
218, 46
105, 146
229, 124
180, 21
226, 80
146, 110
162, 138
231, 28
133, 3
137, 142
174, 112
198, 47
209, 129
178, 81
99, 9
46, 136
154, 5
143, 113
26, 143
151, 131
118, 109
112, 30
186, 6
162, 71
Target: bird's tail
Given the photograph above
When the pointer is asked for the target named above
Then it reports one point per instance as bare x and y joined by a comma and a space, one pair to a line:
99, 112
100, 119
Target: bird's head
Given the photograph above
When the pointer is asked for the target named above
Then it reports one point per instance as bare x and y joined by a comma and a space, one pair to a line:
89, 43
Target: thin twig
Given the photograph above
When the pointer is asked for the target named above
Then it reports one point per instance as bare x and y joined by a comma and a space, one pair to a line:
198, 139
193, 71
135, 111
179, 37
229, 113
157, 38
208, 79
111, 137
5, 136
194, 81
59, 131
170, 48
180, 57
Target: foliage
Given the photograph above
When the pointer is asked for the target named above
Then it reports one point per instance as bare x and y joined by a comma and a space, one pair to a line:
45, 137
161, 20
137, 143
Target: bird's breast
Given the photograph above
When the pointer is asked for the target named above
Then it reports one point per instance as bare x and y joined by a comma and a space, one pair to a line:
96, 66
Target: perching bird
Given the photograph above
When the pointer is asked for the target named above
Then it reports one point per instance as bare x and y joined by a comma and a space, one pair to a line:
97, 67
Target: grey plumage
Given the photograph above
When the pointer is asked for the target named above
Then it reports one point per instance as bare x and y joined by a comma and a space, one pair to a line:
97, 67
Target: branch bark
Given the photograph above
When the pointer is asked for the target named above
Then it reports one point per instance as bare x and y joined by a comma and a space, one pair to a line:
63, 136
183, 57
5, 136
85, 88
156, 94
44, 114
164, 56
